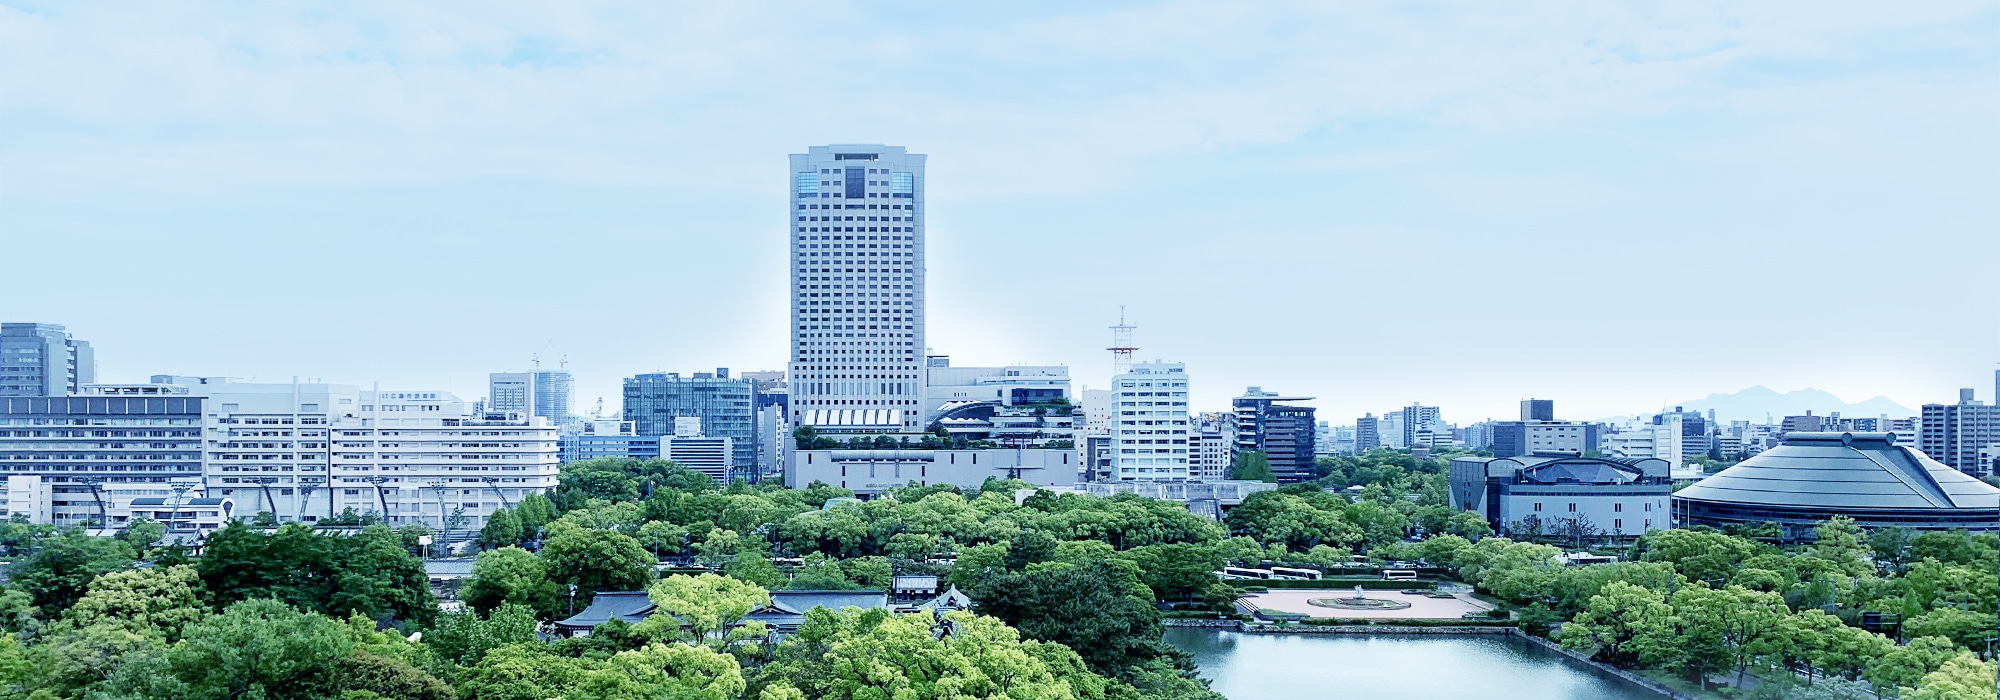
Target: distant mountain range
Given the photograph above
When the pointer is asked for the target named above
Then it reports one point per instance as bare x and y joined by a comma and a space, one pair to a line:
1757, 402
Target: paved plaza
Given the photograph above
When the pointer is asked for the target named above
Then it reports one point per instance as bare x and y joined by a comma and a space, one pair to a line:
1421, 607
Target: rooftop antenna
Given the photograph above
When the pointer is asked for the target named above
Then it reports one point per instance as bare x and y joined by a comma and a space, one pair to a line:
599, 411
1121, 344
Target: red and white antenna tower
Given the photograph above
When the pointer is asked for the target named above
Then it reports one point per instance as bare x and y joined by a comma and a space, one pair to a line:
1121, 345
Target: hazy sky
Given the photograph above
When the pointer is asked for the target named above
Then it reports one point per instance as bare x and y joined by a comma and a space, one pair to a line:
1612, 205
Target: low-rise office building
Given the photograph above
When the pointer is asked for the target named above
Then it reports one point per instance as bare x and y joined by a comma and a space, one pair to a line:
871, 472
1564, 493
599, 439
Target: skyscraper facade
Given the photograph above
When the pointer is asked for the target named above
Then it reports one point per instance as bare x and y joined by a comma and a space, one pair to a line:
1367, 435
725, 407
40, 359
857, 252
552, 395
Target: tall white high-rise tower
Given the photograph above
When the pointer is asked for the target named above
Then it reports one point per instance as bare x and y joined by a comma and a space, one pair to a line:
857, 240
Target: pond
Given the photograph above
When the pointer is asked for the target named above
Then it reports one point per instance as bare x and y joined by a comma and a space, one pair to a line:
1445, 667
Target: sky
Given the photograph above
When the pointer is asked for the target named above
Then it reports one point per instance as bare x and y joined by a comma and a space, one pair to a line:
1613, 205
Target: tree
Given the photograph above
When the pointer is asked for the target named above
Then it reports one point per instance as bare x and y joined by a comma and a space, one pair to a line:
662, 538
869, 655
1908, 664
665, 672
57, 575
1966, 628
502, 529
142, 532
705, 605
1613, 618
1095, 609
1961, 678
1698, 555
154, 603
254, 649
370, 675
511, 575
465, 638
1253, 466
596, 560
1176, 571
751, 566
521, 672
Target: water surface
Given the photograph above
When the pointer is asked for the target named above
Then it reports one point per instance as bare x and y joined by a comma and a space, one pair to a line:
1306, 667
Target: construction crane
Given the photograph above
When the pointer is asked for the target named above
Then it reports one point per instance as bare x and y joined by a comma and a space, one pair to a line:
103, 518
492, 483
265, 482
378, 481
180, 491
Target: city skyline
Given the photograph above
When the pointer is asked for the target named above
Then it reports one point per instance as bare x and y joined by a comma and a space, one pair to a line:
1792, 193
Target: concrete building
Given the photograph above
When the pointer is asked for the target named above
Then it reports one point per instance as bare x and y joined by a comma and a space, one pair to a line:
598, 439
1865, 476
1538, 409
726, 408
1517, 438
1150, 422
510, 392
1956, 433
1367, 434
1662, 437
1285, 434
871, 472
82, 459
708, 455
1210, 454
41, 359
1097, 457
1416, 417
1006, 386
1561, 494
857, 264
426, 457
544, 393
1097, 409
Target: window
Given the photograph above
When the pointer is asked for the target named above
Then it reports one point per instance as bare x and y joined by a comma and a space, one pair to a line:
1617, 507
1572, 507
1538, 507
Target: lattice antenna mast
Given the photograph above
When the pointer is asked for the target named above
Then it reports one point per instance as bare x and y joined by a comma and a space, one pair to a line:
1121, 345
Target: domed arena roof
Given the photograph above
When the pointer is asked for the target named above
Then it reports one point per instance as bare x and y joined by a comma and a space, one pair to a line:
1864, 476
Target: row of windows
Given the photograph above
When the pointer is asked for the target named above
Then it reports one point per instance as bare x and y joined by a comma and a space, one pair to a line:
863, 207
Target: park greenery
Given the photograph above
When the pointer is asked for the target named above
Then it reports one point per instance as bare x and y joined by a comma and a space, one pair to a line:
1069, 593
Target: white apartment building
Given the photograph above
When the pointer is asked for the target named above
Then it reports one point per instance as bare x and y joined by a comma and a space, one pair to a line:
426, 457
1149, 424
1097, 405
1209, 455
857, 262
1639, 439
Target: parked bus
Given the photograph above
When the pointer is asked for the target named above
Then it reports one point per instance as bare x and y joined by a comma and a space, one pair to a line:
1399, 575
1280, 572
1237, 572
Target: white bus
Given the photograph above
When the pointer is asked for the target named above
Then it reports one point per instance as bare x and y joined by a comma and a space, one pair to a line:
1237, 572
1399, 575
1280, 572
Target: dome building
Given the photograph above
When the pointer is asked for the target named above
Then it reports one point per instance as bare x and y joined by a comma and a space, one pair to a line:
1865, 476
